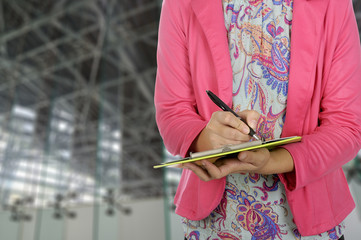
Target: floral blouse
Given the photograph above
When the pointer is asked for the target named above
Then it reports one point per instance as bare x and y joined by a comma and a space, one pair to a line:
255, 206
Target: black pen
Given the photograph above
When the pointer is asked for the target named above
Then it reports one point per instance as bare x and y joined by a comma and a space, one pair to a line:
225, 107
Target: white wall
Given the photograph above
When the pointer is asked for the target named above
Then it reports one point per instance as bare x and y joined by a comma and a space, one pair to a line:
81, 227
176, 227
145, 223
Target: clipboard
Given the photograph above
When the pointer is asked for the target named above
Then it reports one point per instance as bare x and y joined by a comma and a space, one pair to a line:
229, 150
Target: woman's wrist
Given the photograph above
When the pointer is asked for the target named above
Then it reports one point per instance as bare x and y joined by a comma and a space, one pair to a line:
200, 143
280, 161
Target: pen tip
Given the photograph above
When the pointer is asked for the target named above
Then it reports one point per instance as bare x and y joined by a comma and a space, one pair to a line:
256, 137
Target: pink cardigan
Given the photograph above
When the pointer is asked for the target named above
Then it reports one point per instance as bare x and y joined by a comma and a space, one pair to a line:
324, 102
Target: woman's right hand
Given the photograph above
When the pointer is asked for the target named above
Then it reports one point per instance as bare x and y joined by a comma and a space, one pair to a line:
225, 129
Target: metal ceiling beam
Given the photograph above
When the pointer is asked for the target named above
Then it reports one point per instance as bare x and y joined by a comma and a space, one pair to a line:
116, 44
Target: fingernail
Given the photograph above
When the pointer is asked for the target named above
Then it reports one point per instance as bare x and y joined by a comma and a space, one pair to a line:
242, 156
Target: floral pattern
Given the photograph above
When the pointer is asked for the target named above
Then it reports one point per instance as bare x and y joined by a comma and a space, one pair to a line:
259, 44
255, 206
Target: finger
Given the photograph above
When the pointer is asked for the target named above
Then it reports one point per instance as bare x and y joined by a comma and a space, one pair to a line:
251, 117
243, 157
235, 135
227, 166
212, 170
218, 141
231, 165
250, 157
234, 165
254, 160
199, 171
228, 119
222, 128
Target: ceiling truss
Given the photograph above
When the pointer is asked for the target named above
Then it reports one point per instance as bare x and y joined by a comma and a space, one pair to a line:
93, 60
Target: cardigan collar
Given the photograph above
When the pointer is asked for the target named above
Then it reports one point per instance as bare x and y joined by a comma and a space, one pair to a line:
211, 18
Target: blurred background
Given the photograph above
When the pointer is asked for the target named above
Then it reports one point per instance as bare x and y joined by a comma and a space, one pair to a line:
78, 137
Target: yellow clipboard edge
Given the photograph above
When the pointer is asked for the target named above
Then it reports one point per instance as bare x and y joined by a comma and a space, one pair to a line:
268, 145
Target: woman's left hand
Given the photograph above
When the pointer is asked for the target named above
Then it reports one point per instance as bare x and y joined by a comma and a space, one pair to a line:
260, 161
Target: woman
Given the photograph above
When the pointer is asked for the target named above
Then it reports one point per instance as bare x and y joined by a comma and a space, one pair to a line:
289, 68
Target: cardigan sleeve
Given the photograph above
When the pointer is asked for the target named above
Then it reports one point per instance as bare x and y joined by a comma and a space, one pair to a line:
337, 139
175, 102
